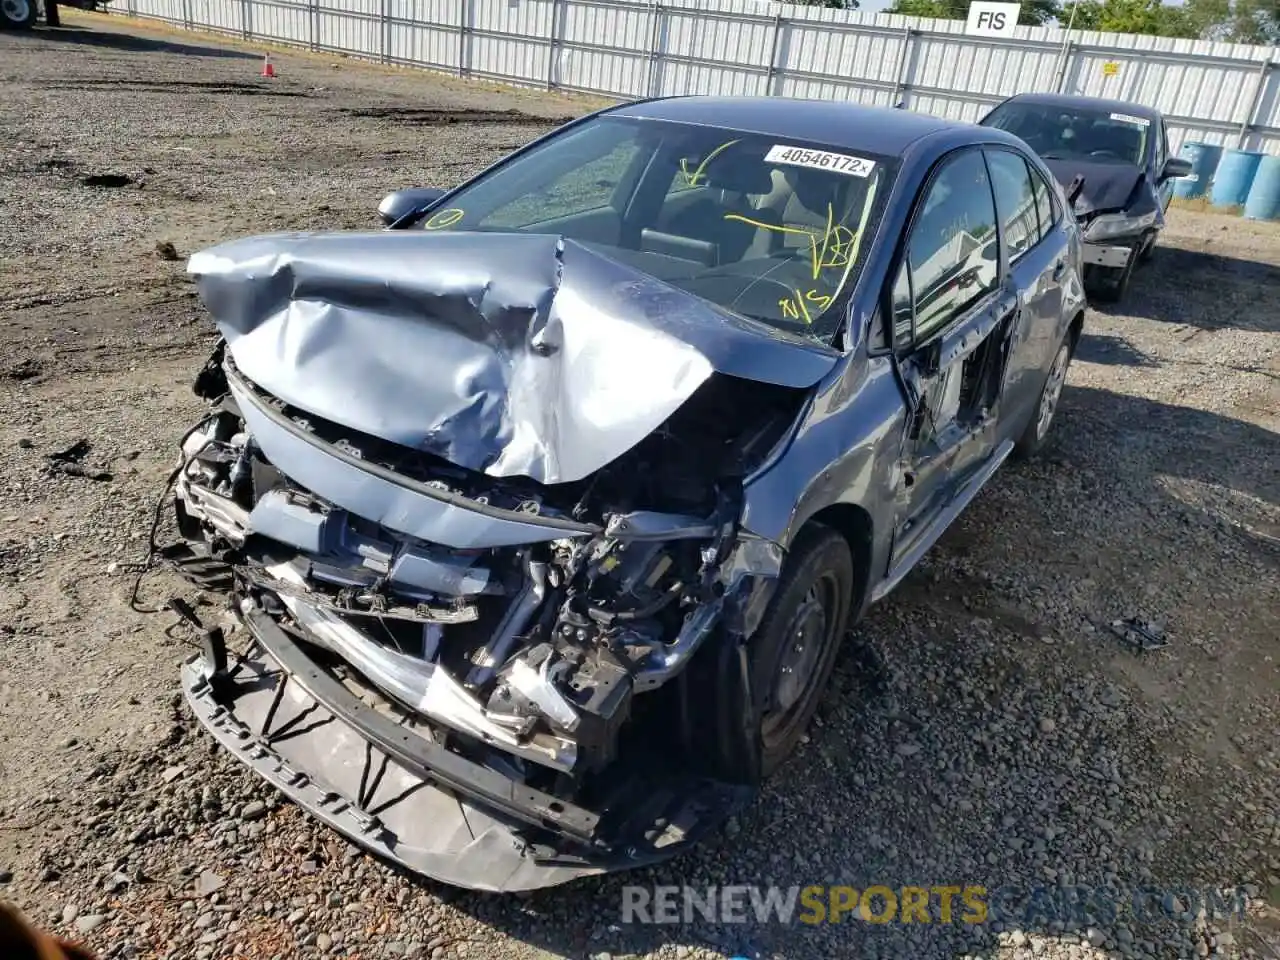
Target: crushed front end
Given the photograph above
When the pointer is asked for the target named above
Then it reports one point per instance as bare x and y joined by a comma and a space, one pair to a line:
1112, 238
476, 502
499, 683
1117, 208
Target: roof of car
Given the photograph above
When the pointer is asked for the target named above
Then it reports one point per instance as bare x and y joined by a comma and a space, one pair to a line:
882, 130
1096, 103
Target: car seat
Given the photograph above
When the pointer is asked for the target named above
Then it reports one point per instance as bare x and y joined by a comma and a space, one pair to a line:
726, 219
805, 199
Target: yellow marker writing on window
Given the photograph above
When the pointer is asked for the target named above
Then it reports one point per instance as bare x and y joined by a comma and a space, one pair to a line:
445, 218
831, 248
797, 307
838, 246
699, 172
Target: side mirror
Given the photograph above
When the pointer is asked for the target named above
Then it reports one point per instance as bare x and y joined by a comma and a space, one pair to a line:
1175, 167
401, 202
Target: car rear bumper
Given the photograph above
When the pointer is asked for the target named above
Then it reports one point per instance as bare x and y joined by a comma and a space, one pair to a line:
397, 793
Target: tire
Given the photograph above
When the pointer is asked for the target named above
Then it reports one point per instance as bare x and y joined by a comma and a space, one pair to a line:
18, 14
1149, 248
1035, 435
795, 647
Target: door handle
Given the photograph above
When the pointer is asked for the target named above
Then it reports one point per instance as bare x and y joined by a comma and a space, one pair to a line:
1059, 269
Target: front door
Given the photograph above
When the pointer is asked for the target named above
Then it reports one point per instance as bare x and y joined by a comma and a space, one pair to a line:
953, 316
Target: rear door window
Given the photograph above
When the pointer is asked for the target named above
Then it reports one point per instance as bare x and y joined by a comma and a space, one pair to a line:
1015, 202
1046, 207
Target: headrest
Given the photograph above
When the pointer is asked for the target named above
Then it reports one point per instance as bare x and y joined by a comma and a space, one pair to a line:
741, 176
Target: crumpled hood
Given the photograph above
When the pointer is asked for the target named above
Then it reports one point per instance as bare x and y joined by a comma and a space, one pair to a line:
1107, 186
512, 354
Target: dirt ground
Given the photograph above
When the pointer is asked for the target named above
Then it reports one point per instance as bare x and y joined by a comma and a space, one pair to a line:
985, 728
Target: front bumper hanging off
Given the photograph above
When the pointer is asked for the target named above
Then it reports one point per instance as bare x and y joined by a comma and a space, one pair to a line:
393, 791
1110, 255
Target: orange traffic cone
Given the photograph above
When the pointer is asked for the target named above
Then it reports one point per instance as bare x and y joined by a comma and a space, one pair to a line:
268, 70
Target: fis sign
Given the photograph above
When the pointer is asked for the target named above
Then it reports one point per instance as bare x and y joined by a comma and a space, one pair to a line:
987, 19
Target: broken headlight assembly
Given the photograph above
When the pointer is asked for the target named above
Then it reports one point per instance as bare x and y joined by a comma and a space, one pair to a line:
1109, 226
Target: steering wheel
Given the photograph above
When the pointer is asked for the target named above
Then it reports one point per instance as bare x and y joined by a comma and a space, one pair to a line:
725, 284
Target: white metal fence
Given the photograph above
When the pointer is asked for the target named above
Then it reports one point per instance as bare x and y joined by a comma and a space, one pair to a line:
1219, 93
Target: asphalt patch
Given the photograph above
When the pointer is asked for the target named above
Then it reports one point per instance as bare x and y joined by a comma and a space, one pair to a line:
108, 180
241, 88
27, 369
438, 116
70, 462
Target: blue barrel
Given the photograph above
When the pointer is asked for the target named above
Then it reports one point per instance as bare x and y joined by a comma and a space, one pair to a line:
1204, 160
1263, 202
1233, 178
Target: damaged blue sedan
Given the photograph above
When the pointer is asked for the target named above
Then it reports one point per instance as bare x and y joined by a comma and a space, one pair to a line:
542, 514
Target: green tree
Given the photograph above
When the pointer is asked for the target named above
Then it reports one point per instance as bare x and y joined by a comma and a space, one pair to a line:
1032, 12
833, 4
1131, 16
1241, 21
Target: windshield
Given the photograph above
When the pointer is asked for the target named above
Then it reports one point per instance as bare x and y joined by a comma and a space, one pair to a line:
773, 229
1070, 133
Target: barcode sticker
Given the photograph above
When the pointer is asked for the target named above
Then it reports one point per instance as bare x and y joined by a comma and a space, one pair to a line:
1126, 118
820, 160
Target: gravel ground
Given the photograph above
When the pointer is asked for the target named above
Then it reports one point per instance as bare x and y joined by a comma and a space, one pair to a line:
984, 728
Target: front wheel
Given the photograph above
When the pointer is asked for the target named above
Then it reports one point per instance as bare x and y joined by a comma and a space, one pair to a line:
1036, 434
1149, 248
18, 14
795, 648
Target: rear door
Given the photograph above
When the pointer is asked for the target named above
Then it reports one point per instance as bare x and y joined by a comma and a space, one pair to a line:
953, 313
1036, 260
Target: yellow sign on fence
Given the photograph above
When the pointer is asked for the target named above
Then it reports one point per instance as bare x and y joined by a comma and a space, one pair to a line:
1110, 68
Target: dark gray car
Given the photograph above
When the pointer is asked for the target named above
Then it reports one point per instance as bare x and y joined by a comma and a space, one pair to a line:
1112, 157
544, 513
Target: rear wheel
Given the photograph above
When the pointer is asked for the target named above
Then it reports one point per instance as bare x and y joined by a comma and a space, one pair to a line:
17, 14
795, 647
1036, 434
